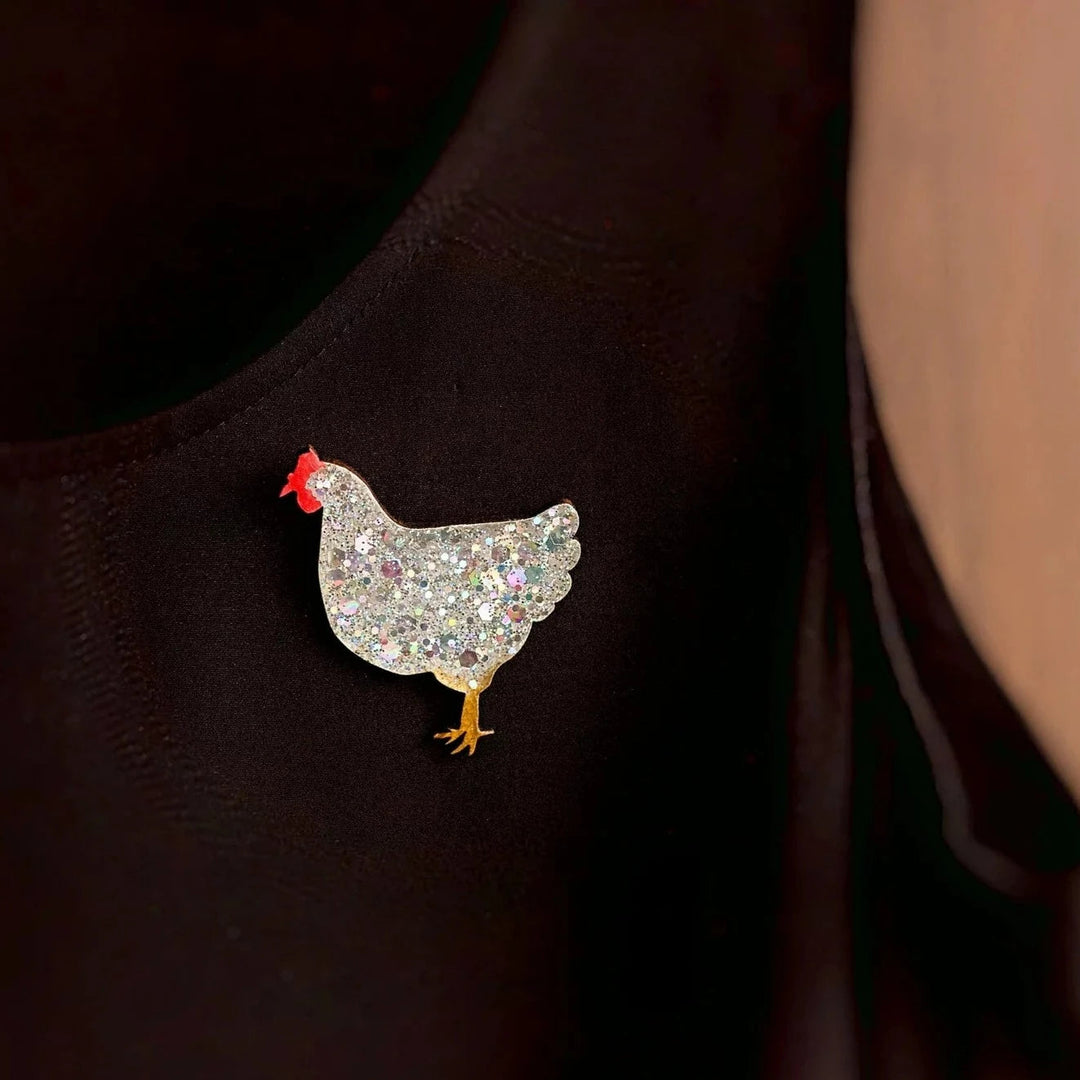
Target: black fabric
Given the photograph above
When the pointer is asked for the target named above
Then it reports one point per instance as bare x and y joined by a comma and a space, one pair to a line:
185, 182
233, 848
705, 838
965, 843
1011, 801
926, 923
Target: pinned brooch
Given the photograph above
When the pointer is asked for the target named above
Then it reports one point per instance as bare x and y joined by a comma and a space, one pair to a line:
458, 601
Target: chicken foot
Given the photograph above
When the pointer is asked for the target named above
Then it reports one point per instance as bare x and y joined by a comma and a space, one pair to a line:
469, 732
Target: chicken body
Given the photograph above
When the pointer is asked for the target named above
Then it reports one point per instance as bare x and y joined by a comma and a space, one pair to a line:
457, 601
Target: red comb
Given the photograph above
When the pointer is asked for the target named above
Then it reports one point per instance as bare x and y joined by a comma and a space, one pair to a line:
306, 464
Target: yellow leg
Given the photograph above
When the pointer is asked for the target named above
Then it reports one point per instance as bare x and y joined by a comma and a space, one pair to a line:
469, 733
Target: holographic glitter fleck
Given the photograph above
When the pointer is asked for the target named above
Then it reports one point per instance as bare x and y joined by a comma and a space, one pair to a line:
458, 600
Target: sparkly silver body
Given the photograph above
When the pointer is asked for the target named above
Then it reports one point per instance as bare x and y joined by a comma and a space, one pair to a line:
457, 601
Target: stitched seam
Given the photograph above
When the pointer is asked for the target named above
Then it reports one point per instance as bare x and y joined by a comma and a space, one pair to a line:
129, 462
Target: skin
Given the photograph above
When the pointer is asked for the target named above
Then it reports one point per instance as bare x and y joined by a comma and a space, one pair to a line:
965, 273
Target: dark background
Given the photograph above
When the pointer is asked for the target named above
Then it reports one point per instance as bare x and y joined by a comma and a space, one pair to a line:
180, 183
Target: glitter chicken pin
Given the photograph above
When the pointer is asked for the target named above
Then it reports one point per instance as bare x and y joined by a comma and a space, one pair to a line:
458, 601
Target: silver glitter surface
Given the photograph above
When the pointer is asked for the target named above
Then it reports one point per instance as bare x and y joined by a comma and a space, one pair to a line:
457, 601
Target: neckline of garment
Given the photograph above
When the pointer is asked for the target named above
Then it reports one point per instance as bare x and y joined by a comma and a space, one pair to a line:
432, 210
994, 867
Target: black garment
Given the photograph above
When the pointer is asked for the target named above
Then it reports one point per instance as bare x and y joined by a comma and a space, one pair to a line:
941, 848
233, 849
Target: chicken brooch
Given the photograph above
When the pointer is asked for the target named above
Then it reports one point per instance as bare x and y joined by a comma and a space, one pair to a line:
458, 601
